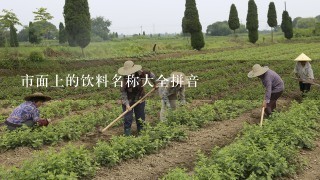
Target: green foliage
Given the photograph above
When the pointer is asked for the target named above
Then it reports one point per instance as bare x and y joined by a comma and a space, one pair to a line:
13, 36
42, 15
190, 21
122, 148
252, 21
267, 152
2, 38
272, 18
100, 27
36, 56
9, 18
77, 22
177, 174
233, 21
305, 23
222, 29
286, 25
197, 40
272, 15
23, 35
63, 37
253, 36
34, 38
70, 163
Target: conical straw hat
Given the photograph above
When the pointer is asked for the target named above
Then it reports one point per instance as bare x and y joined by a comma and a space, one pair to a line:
257, 70
129, 68
303, 57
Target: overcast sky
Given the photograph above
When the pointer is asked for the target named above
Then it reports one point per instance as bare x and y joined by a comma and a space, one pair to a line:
160, 16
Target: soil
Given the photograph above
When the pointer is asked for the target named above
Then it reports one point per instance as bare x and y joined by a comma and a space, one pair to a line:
311, 170
179, 154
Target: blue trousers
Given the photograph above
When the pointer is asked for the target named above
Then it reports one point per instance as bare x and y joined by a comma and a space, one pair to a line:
138, 113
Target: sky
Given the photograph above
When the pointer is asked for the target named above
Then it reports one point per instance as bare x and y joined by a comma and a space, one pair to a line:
160, 16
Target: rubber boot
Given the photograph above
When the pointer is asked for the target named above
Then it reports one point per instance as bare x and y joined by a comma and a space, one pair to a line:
127, 132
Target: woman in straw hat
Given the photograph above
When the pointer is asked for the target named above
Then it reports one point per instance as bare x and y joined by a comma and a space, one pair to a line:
28, 113
131, 91
273, 84
169, 91
304, 72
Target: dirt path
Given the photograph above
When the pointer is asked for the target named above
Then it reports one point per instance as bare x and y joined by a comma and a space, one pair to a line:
311, 171
181, 154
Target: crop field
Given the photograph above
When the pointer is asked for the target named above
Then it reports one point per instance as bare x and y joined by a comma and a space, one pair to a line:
214, 136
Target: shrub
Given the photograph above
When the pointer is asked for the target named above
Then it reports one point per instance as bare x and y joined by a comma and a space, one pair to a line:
36, 56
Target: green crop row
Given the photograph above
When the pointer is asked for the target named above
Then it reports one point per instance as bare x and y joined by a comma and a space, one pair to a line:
262, 153
119, 148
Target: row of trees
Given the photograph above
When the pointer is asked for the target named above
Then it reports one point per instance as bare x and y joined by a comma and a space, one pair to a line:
252, 24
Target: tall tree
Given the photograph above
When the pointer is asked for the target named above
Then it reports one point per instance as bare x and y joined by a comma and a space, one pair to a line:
33, 37
191, 24
234, 22
62, 34
190, 21
286, 25
252, 22
77, 22
100, 27
13, 36
41, 15
272, 18
2, 35
8, 20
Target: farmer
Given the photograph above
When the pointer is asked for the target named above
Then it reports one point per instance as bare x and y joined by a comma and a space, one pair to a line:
169, 91
273, 84
28, 113
303, 71
132, 91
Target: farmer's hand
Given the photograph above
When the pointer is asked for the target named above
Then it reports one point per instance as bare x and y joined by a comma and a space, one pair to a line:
155, 86
43, 122
264, 104
49, 120
310, 81
128, 108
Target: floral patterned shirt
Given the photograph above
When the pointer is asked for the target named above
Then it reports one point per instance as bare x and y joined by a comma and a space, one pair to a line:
24, 112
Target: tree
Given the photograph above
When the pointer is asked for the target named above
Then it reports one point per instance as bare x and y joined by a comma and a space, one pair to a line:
100, 27
233, 22
252, 22
13, 36
222, 29
2, 35
23, 35
295, 21
190, 21
318, 18
305, 23
286, 25
41, 15
272, 18
45, 29
7, 21
62, 34
197, 40
9, 18
33, 37
77, 21
191, 24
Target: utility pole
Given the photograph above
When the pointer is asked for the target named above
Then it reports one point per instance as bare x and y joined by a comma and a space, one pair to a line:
141, 29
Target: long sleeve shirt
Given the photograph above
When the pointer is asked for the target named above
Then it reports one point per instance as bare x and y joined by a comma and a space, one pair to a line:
272, 83
304, 72
167, 90
24, 112
132, 89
